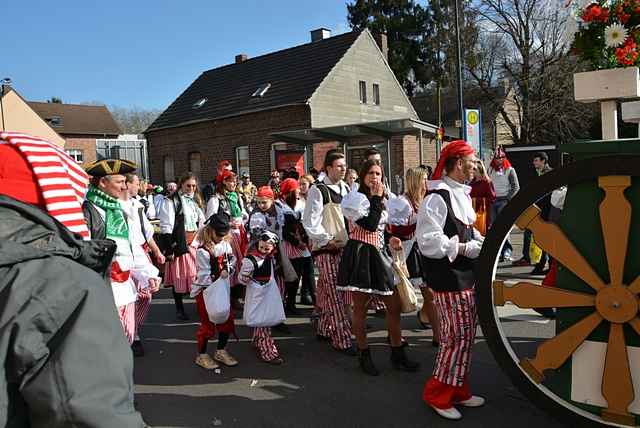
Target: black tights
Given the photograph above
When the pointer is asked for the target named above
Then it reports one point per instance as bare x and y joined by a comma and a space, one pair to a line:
177, 298
223, 338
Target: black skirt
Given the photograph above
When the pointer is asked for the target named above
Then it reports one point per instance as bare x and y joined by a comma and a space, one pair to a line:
414, 262
365, 268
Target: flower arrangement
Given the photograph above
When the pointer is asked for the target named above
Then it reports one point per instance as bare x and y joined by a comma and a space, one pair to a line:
608, 33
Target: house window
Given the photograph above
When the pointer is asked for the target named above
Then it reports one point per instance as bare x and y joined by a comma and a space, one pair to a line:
169, 173
363, 91
242, 160
262, 89
195, 164
76, 154
376, 94
55, 121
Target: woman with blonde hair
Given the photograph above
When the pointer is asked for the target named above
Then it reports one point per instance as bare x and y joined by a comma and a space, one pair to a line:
305, 183
180, 218
483, 194
403, 215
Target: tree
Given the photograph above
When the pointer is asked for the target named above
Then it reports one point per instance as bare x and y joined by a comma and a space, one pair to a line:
531, 51
134, 120
54, 100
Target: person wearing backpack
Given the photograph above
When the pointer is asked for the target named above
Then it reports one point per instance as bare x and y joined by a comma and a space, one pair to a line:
325, 225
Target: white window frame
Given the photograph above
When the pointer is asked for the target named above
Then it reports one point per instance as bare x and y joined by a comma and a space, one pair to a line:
73, 153
362, 91
375, 94
242, 170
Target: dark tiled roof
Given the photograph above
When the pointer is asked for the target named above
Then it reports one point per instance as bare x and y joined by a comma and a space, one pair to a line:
77, 119
426, 104
294, 75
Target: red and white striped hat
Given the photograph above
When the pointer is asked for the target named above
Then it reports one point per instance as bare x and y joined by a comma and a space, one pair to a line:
38, 172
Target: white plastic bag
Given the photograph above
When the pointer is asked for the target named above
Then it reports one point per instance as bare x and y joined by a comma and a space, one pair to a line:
217, 300
263, 305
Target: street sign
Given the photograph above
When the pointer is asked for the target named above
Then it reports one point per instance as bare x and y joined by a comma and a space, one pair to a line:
473, 129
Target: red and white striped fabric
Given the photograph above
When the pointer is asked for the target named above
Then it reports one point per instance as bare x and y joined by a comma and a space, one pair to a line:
62, 181
333, 322
360, 234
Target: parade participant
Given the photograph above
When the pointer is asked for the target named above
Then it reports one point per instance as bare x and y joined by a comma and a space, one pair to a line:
180, 217
259, 267
449, 243
506, 185
351, 178
306, 181
141, 237
248, 191
269, 216
324, 223
106, 219
403, 215
483, 195
53, 299
228, 200
295, 242
158, 197
214, 260
365, 270
274, 182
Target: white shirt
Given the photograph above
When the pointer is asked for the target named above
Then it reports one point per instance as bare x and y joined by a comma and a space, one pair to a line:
312, 217
167, 215
203, 266
214, 204
432, 216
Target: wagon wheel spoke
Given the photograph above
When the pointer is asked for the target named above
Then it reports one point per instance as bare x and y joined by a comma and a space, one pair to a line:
527, 295
551, 238
617, 388
635, 286
554, 352
615, 219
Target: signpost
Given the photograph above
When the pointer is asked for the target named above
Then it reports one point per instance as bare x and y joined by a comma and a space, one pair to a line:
473, 129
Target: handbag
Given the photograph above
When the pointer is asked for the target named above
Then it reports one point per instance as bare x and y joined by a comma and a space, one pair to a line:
217, 300
406, 292
263, 305
480, 206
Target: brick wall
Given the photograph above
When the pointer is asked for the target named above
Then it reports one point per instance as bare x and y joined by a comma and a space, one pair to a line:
85, 143
217, 140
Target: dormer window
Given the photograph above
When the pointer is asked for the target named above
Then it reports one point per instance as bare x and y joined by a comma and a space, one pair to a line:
199, 103
55, 121
261, 90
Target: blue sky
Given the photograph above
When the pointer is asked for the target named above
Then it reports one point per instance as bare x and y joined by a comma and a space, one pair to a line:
144, 53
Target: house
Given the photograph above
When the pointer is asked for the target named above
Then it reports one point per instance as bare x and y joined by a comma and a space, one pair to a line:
494, 128
16, 115
79, 125
288, 108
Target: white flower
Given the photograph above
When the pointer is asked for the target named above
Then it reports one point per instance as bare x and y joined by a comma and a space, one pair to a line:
614, 35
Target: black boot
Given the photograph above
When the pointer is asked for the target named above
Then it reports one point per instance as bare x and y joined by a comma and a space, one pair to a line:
180, 314
366, 363
290, 306
400, 361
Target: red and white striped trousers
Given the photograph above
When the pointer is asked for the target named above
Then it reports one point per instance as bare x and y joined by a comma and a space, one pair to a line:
264, 344
458, 319
142, 306
333, 322
127, 315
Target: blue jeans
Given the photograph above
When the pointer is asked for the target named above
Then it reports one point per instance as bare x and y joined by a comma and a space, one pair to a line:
496, 207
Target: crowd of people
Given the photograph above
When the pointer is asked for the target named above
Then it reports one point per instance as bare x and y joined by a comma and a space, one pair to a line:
260, 245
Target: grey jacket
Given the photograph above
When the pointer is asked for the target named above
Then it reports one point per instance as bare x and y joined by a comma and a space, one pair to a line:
66, 361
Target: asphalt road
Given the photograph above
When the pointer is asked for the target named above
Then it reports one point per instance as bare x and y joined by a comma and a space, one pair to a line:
316, 387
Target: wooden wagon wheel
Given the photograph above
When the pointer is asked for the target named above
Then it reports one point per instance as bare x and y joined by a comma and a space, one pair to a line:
614, 301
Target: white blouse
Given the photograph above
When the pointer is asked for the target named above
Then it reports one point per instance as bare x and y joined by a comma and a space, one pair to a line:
312, 217
356, 205
432, 216
193, 215
203, 266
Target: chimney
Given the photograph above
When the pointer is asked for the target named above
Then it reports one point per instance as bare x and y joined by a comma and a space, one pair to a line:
241, 58
320, 34
381, 40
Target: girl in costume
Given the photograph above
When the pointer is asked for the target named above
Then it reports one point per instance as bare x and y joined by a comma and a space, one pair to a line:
214, 260
365, 270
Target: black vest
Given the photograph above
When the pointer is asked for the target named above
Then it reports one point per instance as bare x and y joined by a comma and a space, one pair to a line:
175, 243
262, 274
440, 274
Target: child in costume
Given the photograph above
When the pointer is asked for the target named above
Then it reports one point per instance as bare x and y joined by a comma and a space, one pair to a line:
258, 270
214, 260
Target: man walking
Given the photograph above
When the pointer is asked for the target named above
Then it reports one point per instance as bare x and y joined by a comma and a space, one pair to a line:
326, 228
505, 182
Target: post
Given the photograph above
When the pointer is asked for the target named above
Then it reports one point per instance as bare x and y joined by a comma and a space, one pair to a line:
609, 117
389, 162
459, 68
420, 147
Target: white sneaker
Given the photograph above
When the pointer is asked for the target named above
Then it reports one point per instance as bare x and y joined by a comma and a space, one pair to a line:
474, 401
451, 413
222, 356
206, 362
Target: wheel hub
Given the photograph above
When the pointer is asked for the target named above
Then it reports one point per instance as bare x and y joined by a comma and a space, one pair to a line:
616, 304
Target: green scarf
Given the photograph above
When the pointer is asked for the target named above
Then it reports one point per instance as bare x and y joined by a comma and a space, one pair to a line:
234, 205
115, 220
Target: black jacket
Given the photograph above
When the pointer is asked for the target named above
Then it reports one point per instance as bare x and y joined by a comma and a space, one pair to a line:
66, 361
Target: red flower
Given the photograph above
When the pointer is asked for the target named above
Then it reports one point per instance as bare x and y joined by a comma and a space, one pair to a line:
622, 16
628, 53
592, 12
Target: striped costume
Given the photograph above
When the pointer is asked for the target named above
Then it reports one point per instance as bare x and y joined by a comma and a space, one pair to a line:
445, 220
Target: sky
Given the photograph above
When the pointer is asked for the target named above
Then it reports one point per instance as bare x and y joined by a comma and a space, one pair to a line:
143, 53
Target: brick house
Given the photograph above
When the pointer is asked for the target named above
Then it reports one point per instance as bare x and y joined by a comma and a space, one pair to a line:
288, 108
79, 125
